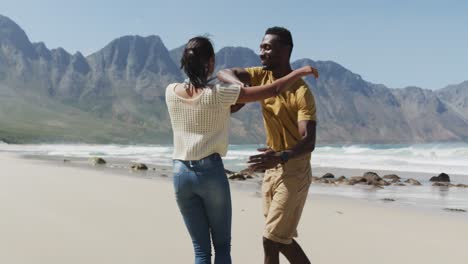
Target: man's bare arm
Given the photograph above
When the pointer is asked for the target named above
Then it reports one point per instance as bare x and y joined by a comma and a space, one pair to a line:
236, 107
308, 131
235, 76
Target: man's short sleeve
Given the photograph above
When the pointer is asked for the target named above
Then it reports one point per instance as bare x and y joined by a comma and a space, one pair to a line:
306, 105
256, 75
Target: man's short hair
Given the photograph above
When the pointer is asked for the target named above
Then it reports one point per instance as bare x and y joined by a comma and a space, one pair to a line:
283, 34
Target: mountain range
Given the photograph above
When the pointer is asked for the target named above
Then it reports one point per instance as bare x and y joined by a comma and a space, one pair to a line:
116, 95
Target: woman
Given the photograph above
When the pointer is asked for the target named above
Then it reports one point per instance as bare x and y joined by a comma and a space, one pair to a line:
200, 121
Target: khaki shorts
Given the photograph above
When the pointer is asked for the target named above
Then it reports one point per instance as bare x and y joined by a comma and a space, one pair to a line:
284, 192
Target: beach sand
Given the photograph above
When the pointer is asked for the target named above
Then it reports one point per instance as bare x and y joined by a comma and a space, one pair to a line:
51, 213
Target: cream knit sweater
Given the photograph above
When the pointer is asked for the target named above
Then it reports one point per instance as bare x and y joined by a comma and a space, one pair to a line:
201, 125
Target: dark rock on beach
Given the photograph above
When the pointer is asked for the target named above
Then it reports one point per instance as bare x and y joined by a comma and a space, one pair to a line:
237, 176
413, 182
357, 180
248, 173
228, 172
326, 180
139, 166
443, 177
392, 177
328, 176
342, 180
98, 161
370, 176
374, 179
455, 210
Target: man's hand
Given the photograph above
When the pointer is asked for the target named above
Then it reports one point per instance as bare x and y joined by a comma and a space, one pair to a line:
267, 160
236, 107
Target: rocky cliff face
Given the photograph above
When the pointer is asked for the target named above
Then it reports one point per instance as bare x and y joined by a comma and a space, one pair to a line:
457, 97
121, 88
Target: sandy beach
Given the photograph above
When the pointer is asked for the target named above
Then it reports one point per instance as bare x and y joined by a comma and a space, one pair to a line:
51, 213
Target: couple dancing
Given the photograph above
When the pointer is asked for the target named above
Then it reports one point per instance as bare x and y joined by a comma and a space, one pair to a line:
199, 115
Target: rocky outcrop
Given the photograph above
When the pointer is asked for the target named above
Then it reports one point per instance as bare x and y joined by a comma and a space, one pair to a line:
456, 96
457, 210
443, 177
392, 177
373, 178
413, 182
242, 175
98, 161
328, 176
139, 166
357, 180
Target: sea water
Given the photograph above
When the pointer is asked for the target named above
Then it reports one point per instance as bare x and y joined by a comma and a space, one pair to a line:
418, 161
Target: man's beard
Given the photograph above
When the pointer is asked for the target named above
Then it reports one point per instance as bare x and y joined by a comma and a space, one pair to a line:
269, 63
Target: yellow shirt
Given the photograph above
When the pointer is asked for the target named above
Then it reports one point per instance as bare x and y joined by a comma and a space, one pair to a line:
282, 113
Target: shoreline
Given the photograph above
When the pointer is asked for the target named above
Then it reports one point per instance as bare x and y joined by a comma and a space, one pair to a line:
412, 160
389, 195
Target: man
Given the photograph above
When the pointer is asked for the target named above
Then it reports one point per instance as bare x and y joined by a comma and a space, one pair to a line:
290, 123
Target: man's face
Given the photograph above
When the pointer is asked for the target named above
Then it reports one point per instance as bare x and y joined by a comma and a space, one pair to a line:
272, 52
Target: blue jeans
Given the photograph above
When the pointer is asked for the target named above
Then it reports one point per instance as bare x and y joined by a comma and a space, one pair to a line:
204, 199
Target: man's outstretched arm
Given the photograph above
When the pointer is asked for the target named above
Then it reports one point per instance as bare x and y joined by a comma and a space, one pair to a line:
235, 76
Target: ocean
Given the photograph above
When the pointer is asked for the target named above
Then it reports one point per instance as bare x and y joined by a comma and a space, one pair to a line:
418, 161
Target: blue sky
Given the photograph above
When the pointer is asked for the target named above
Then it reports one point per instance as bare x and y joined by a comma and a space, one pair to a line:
397, 43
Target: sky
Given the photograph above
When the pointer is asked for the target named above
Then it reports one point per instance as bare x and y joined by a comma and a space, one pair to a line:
397, 43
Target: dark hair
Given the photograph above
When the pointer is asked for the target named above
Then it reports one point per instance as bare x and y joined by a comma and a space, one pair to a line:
284, 36
195, 60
